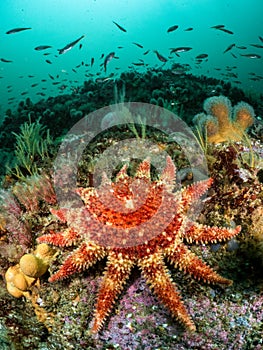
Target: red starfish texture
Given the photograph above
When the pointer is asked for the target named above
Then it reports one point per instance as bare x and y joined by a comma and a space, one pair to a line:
137, 222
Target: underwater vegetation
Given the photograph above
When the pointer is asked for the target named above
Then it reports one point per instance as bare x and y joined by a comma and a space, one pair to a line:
31, 145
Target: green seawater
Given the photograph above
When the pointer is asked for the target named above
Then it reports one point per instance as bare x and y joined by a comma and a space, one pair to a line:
57, 23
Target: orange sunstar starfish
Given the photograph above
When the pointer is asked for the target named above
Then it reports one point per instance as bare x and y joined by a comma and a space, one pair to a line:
136, 221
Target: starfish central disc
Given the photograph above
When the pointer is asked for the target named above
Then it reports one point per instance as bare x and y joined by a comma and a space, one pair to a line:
129, 211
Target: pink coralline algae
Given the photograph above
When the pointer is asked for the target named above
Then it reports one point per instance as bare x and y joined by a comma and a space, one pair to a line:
222, 324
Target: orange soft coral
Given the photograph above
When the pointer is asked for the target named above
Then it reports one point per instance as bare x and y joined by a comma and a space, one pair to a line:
222, 123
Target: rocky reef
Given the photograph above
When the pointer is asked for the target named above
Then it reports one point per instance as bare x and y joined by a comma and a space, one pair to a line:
35, 313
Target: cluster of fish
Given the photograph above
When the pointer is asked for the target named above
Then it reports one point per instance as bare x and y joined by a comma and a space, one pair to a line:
65, 49
222, 28
248, 55
174, 51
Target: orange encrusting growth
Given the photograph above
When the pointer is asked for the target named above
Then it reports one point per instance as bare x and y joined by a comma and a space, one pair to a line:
147, 239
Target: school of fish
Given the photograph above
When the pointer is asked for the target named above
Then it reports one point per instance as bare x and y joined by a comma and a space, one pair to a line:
102, 63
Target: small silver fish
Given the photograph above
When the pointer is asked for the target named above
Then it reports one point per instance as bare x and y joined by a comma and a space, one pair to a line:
218, 26
5, 60
254, 79
138, 64
226, 30
108, 58
257, 46
42, 47
180, 49
120, 27
172, 28
139, 45
178, 71
16, 30
251, 55
160, 57
229, 48
70, 45
201, 56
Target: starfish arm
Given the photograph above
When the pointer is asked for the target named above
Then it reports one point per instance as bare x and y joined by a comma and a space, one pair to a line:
168, 175
82, 258
191, 193
156, 274
60, 214
190, 263
198, 233
118, 269
61, 239
143, 171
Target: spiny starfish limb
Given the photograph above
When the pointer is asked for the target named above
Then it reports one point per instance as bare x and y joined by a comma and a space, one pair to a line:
168, 175
61, 239
143, 170
122, 174
205, 234
190, 263
60, 214
195, 191
156, 274
82, 258
118, 269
